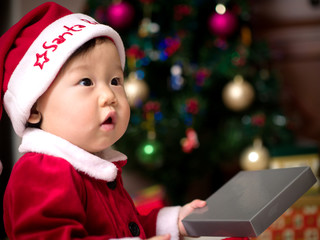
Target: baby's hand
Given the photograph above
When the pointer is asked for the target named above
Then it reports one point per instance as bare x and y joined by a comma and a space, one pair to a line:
186, 210
161, 237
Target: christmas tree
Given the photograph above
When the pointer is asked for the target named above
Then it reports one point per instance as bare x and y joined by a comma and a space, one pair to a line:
200, 86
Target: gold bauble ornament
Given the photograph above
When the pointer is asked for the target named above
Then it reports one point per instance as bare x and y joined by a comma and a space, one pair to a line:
255, 157
238, 94
136, 89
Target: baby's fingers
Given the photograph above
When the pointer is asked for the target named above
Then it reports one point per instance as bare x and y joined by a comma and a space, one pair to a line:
198, 204
161, 237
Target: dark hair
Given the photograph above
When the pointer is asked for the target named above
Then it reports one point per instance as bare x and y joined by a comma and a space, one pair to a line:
83, 49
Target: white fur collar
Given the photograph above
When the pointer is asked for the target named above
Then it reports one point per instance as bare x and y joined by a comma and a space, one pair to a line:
98, 166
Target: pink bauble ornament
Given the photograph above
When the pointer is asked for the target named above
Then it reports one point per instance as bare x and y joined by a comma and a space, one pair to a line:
119, 15
222, 25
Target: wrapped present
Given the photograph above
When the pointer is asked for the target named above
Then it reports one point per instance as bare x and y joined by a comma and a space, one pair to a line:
150, 198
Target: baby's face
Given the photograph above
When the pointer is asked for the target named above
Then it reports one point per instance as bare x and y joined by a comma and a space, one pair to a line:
87, 103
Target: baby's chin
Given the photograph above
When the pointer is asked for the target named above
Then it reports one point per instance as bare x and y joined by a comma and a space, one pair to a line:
96, 146
97, 149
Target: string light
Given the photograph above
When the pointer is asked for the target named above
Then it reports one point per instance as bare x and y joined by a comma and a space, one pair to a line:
220, 8
148, 149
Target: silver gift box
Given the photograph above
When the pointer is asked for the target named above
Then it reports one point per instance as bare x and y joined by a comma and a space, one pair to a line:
250, 202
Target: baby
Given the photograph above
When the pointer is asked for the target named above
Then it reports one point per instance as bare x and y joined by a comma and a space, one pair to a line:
62, 79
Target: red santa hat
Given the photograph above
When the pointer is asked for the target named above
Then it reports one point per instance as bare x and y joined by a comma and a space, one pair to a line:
33, 51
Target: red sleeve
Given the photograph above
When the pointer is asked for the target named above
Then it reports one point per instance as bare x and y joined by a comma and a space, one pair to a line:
149, 222
44, 200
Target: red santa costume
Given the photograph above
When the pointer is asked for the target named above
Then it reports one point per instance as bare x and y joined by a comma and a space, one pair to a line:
59, 191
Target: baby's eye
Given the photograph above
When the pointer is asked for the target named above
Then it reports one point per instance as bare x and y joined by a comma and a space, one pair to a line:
86, 82
115, 81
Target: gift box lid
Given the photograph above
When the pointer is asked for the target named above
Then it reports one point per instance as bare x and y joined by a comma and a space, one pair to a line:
250, 202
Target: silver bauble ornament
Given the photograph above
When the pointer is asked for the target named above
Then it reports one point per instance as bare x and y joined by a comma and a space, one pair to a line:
136, 89
238, 94
255, 157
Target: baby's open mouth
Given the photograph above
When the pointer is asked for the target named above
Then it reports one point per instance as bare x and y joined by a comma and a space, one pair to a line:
108, 121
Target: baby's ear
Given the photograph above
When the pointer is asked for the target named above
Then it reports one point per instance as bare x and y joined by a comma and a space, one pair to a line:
35, 115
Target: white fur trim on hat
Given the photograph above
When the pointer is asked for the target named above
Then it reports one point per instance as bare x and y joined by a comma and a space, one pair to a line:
45, 57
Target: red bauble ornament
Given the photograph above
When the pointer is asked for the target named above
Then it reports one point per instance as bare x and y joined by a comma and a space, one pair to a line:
222, 25
119, 15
